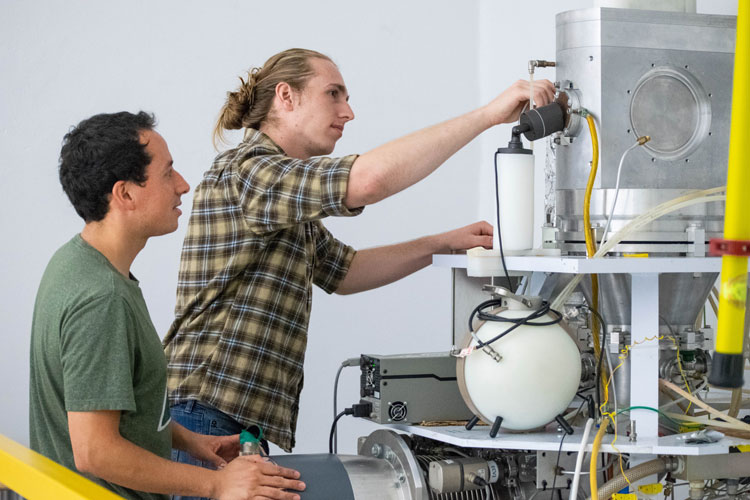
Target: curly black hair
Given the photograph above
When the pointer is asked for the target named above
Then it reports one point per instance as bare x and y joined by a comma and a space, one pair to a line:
97, 153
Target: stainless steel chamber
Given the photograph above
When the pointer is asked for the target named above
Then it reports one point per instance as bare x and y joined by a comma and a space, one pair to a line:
667, 75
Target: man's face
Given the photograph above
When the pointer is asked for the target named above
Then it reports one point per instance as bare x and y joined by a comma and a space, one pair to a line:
158, 198
322, 109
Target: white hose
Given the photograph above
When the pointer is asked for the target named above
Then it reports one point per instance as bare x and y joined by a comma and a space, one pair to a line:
694, 198
617, 191
579, 460
612, 380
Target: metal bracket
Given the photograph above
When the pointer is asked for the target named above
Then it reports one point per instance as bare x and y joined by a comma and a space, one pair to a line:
739, 248
499, 292
697, 238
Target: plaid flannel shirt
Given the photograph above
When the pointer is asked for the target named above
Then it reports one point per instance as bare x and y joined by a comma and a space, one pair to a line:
254, 246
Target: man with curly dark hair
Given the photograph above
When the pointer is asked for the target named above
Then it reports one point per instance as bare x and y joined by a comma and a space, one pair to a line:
98, 402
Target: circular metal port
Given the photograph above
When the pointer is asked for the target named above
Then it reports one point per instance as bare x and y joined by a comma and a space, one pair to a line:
670, 105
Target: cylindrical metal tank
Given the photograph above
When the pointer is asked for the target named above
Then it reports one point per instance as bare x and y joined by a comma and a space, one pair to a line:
385, 468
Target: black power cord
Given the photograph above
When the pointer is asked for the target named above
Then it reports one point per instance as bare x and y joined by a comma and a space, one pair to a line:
557, 466
358, 410
567, 429
344, 364
526, 320
499, 235
603, 330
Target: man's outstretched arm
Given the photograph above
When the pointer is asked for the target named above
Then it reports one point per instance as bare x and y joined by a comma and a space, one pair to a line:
375, 267
398, 164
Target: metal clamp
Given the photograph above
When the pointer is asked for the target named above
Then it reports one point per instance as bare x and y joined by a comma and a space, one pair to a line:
499, 292
539, 63
739, 248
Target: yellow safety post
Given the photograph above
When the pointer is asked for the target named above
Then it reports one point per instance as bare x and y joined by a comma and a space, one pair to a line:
35, 476
727, 367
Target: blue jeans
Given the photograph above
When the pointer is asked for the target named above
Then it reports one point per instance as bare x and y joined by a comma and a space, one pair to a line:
203, 420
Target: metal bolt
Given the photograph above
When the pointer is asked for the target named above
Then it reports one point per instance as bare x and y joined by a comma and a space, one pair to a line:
401, 478
375, 450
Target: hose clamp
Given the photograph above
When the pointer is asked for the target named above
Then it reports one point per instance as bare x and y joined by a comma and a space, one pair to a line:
719, 246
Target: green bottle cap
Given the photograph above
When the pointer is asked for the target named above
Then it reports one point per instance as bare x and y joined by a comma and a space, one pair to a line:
253, 435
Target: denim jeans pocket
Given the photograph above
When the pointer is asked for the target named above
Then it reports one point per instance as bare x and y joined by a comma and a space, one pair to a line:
223, 425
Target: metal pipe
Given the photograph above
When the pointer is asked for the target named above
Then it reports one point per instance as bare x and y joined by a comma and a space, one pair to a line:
656, 466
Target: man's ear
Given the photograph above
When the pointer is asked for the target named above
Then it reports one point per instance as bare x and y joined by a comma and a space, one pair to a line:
285, 96
122, 196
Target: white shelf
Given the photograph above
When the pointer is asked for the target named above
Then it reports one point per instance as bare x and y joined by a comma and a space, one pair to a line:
582, 265
479, 437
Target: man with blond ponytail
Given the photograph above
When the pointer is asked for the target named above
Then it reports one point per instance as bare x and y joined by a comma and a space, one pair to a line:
256, 242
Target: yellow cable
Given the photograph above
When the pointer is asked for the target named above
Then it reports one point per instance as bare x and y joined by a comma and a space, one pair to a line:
590, 243
682, 373
622, 357
594, 452
588, 231
612, 415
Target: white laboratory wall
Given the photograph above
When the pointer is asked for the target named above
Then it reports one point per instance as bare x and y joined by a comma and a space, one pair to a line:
407, 65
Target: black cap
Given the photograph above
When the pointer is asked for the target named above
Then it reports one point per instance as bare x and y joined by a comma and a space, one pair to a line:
727, 371
515, 146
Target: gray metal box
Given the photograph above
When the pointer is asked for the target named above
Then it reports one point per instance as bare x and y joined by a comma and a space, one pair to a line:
412, 388
663, 74
667, 75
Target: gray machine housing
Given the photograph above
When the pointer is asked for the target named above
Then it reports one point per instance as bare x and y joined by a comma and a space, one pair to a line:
411, 388
663, 74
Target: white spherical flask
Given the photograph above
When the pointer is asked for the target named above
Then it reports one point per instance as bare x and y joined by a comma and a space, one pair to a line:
533, 379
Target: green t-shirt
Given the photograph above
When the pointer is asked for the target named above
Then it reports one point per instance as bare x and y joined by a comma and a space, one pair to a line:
93, 347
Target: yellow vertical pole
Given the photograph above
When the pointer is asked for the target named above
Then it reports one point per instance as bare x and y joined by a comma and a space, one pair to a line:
727, 367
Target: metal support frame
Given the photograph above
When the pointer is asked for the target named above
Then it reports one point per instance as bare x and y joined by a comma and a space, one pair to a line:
644, 353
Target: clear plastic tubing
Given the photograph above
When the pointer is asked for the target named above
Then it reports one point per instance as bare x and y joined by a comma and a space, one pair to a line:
705, 196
